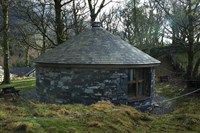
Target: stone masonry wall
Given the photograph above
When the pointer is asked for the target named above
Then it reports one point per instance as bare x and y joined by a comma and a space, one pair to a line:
65, 85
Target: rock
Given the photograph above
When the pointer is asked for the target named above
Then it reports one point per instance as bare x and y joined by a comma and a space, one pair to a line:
98, 94
52, 83
60, 84
65, 87
155, 104
88, 90
59, 101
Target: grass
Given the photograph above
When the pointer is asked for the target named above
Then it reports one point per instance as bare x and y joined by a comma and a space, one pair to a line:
125, 119
186, 115
38, 117
185, 118
23, 85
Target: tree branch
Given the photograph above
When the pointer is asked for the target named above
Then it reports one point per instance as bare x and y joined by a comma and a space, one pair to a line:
65, 3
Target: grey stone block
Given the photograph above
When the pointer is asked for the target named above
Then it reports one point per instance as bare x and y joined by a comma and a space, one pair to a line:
88, 90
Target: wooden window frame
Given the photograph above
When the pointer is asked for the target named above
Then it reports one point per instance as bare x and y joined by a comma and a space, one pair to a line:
139, 76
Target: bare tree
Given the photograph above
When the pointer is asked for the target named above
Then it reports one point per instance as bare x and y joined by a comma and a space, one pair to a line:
5, 44
187, 22
110, 20
74, 16
79, 15
36, 20
141, 24
95, 6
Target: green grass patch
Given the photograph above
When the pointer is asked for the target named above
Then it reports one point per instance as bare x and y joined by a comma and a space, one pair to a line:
61, 125
23, 85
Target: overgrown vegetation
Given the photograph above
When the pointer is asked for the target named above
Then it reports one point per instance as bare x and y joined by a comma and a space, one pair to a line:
39, 117
92, 118
186, 114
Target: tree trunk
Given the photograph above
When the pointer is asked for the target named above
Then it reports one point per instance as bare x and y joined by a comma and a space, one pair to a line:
93, 18
75, 18
93, 6
191, 44
190, 54
173, 35
135, 20
43, 50
162, 37
5, 44
59, 24
27, 57
196, 69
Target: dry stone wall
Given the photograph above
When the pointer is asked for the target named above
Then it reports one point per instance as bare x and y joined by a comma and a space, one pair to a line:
63, 85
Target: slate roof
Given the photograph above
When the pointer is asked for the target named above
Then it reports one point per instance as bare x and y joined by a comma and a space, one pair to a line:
96, 46
22, 71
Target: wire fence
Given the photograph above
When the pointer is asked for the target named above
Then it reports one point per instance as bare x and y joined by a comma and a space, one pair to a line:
180, 96
171, 99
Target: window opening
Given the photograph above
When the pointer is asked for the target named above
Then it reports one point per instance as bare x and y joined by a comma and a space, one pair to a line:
137, 83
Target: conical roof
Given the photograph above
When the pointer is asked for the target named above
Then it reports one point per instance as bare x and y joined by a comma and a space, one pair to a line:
96, 46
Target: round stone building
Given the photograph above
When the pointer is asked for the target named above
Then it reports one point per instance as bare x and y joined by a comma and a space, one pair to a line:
95, 65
